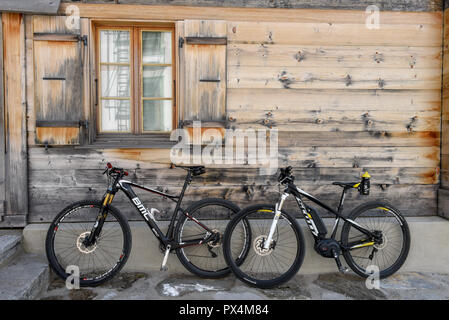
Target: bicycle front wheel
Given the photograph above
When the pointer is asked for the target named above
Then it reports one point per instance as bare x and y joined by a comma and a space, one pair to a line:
96, 263
265, 268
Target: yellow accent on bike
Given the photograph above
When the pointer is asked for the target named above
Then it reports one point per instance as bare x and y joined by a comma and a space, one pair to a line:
383, 208
105, 202
366, 175
264, 210
356, 185
108, 199
362, 245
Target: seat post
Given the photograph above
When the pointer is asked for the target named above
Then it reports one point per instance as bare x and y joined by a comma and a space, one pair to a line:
178, 204
342, 199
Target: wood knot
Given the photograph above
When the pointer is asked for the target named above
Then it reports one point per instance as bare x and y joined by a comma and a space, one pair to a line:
348, 80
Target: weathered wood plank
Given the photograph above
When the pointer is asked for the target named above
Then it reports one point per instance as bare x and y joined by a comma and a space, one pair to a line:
321, 33
414, 200
31, 115
362, 139
15, 103
394, 5
332, 78
123, 11
305, 157
278, 55
443, 203
52, 24
342, 120
443, 194
60, 178
2, 129
57, 135
305, 99
205, 28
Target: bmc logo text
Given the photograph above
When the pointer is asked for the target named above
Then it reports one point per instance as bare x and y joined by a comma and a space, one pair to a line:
142, 209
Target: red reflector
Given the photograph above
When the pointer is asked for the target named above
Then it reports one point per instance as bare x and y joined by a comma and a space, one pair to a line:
56, 228
126, 173
109, 165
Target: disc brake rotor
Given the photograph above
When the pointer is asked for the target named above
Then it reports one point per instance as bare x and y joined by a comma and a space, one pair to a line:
258, 246
80, 245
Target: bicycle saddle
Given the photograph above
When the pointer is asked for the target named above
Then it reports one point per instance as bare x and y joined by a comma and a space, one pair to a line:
346, 184
196, 170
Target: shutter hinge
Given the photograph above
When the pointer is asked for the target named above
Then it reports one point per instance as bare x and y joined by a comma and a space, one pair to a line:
83, 39
181, 124
84, 123
181, 42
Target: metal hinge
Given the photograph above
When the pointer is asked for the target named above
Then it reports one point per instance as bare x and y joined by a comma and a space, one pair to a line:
83, 39
181, 42
84, 123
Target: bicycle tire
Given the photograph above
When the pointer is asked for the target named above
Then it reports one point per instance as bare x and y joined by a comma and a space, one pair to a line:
58, 267
405, 232
237, 269
212, 272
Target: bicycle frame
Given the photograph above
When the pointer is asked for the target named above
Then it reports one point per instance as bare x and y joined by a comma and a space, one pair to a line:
165, 239
310, 220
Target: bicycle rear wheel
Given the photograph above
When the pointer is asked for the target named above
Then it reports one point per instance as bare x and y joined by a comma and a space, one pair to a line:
97, 263
265, 268
388, 255
207, 260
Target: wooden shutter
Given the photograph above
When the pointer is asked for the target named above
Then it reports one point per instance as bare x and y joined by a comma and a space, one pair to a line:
58, 85
205, 71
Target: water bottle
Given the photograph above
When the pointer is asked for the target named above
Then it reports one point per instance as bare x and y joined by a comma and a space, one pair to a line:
365, 184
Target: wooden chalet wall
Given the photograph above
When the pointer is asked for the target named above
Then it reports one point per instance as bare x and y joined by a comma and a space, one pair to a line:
13, 164
344, 98
443, 193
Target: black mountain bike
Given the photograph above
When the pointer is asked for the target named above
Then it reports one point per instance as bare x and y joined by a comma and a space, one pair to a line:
95, 236
375, 237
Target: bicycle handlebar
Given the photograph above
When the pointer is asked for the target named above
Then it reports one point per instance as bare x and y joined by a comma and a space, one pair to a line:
286, 175
110, 170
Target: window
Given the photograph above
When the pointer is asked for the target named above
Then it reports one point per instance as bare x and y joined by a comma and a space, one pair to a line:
135, 80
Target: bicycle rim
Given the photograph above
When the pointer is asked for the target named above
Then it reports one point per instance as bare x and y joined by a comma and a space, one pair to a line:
96, 262
208, 258
385, 257
266, 267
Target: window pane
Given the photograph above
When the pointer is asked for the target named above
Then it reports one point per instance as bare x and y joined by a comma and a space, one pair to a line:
157, 82
114, 46
157, 115
156, 47
115, 115
115, 81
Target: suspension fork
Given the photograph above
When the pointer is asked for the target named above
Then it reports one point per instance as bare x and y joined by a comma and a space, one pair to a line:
277, 214
102, 215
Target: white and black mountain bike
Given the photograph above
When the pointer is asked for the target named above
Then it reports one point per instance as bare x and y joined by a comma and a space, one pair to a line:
375, 237
95, 236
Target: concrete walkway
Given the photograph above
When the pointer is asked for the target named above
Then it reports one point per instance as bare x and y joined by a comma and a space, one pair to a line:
329, 286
